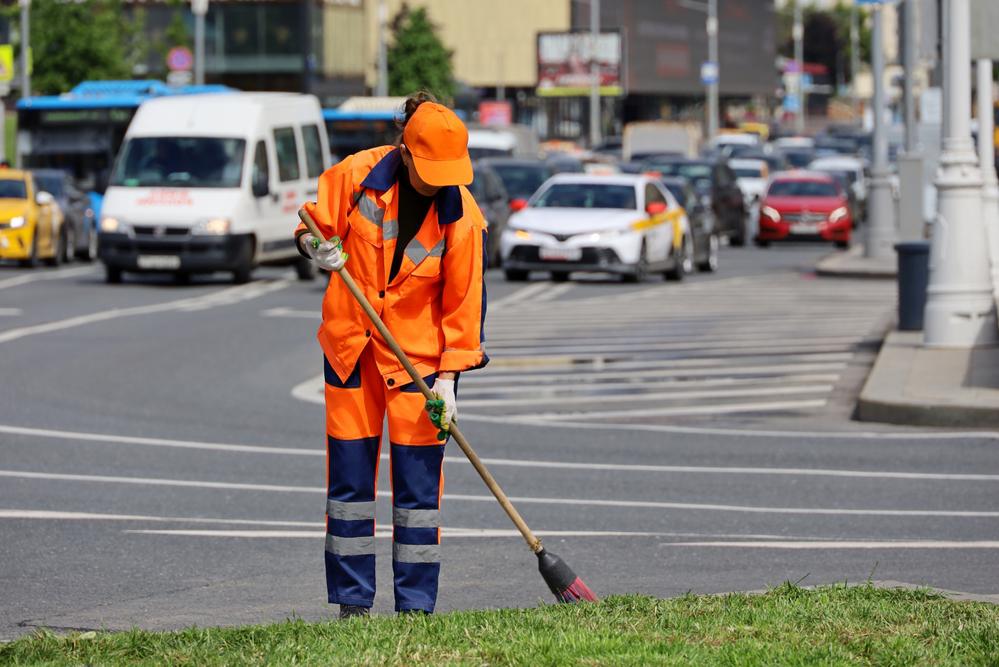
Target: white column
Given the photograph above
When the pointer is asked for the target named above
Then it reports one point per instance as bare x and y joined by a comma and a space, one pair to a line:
798, 33
595, 129
987, 162
712, 30
199, 8
881, 233
25, 47
381, 88
960, 311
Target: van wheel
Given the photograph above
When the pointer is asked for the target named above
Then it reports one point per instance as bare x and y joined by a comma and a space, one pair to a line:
112, 275
515, 275
243, 274
560, 276
305, 269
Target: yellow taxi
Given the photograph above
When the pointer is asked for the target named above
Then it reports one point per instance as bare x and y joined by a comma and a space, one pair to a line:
31, 222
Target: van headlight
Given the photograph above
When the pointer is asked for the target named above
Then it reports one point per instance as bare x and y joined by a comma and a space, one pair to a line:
838, 214
17, 222
213, 227
111, 225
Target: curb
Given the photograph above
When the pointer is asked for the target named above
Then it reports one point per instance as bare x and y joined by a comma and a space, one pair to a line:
851, 264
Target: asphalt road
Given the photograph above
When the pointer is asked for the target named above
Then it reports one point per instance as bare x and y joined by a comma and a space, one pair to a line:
161, 447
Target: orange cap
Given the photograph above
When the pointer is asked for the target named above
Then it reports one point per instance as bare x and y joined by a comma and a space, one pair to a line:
438, 142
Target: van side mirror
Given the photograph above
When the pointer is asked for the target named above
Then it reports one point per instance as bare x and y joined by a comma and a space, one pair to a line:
260, 187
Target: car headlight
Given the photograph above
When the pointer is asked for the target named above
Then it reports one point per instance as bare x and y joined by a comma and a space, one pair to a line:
521, 233
213, 227
111, 225
17, 222
771, 213
839, 214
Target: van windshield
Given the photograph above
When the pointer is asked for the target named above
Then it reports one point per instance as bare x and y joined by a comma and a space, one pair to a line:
188, 162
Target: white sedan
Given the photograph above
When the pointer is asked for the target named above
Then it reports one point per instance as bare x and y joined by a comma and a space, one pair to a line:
624, 224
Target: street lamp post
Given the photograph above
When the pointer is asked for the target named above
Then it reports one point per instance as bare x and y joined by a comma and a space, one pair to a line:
381, 89
712, 29
910, 165
854, 58
798, 32
987, 163
594, 74
25, 48
960, 311
880, 239
199, 8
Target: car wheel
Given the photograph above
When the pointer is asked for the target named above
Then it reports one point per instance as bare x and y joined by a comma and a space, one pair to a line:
843, 245
89, 253
560, 276
32, 260
181, 278
69, 248
305, 269
762, 244
59, 251
112, 275
739, 240
515, 275
641, 270
243, 274
680, 263
710, 263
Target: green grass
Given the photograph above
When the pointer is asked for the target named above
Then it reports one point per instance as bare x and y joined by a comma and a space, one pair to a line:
787, 626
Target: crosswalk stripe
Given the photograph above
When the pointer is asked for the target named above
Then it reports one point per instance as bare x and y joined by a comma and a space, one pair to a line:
625, 415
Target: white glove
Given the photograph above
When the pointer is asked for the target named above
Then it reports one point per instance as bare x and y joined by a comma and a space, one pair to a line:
327, 255
444, 390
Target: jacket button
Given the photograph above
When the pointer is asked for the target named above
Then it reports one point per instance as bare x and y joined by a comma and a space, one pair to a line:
367, 334
390, 382
381, 294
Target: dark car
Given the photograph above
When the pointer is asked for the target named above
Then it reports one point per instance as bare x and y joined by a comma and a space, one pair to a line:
494, 202
714, 181
520, 177
81, 224
702, 222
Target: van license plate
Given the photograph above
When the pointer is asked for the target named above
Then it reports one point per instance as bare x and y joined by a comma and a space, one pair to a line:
561, 254
159, 262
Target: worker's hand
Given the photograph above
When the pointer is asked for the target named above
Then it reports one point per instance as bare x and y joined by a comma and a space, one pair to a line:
327, 255
444, 409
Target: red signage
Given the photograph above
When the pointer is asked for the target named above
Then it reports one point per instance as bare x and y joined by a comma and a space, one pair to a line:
495, 113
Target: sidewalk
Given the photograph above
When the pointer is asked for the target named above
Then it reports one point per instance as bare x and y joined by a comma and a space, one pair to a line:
853, 264
919, 386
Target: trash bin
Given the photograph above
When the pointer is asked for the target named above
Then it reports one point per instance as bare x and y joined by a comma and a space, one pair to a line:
913, 277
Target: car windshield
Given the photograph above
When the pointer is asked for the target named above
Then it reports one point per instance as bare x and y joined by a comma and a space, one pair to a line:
845, 177
799, 159
50, 183
698, 174
748, 172
802, 189
587, 195
522, 180
12, 189
190, 162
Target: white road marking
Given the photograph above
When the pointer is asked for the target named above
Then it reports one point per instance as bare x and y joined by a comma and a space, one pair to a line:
281, 311
36, 275
227, 296
641, 397
553, 293
517, 296
607, 425
839, 343
10, 312
847, 544
584, 502
46, 515
386, 533
713, 409
516, 463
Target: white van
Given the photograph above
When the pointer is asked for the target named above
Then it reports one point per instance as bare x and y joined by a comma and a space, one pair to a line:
213, 182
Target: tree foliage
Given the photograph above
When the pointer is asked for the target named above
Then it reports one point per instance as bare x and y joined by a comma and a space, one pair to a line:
826, 37
417, 58
176, 33
75, 41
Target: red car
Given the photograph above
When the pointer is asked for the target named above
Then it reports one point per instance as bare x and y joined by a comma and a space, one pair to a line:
805, 206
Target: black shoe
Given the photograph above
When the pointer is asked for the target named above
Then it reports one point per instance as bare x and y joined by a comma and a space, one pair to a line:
351, 610
414, 612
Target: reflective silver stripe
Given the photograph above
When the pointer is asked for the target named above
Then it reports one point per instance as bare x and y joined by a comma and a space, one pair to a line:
438, 250
350, 546
390, 230
337, 509
416, 518
416, 252
370, 211
416, 553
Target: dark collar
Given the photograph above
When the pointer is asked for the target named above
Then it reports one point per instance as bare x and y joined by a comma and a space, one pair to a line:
384, 175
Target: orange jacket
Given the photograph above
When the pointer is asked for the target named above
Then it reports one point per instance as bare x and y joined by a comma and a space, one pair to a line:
436, 304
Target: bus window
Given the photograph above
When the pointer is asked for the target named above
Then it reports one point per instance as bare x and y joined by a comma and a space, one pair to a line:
287, 154
313, 151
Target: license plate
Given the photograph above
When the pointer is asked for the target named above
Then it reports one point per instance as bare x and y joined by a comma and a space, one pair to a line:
561, 254
804, 228
159, 262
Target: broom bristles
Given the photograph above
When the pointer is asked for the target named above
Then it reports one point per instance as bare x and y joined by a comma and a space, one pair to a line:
577, 592
562, 581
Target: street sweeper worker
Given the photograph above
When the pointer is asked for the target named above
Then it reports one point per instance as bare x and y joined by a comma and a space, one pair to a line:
401, 221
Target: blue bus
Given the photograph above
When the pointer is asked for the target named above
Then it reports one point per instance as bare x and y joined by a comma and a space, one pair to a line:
81, 131
361, 123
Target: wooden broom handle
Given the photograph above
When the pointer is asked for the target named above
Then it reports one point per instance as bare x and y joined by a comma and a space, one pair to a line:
533, 542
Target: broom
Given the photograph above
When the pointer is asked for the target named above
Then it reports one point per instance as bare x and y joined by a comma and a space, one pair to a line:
562, 581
